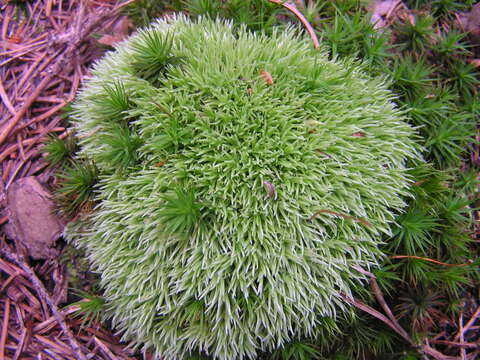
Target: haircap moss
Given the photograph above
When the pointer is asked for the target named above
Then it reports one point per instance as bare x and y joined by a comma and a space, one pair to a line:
242, 178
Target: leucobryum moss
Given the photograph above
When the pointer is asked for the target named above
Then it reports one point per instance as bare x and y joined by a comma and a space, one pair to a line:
242, 179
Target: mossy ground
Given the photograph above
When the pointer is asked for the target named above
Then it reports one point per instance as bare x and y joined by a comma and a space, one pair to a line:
428, 64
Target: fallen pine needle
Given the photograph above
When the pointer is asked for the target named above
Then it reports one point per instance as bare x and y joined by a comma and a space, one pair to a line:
293, 9
427, 259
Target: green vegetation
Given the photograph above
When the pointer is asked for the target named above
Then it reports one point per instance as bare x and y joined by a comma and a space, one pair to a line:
431, 265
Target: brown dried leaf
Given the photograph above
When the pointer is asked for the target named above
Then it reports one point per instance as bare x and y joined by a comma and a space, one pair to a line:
475, 62
266, 76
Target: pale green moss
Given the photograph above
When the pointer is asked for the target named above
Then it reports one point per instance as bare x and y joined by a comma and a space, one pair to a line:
236, 212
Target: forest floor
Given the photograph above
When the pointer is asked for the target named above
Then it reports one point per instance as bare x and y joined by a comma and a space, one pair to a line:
47, 48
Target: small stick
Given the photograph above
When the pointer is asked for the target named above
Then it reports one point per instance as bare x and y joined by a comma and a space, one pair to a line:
11, 277
77, 75
44, 324
62, 347
392, 8
20, 344
47, 99
368, 309
19, 167
391, 321
48, 8
381, 300
13, 122
27, 73
25, 49
457, 344
6, 170
45, 115
73, 43
20, 147
362, 271
463, 352
5, 24
104, 348
292, 8
12, 148
436, 354
6, 99
469, 323
42, 292
6, 319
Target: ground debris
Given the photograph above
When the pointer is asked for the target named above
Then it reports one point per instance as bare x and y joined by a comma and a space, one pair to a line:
32, 220
32, 327
470, 22
382, 12
46, 49
120, 31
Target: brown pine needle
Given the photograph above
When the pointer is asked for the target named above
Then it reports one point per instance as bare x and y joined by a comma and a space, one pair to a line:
6, 319
293, 9
427, 259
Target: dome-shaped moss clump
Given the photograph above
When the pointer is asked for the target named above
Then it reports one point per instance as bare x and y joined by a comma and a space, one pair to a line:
242, 178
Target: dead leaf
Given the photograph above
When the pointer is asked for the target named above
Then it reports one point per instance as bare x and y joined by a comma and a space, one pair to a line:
266, 76
475, 62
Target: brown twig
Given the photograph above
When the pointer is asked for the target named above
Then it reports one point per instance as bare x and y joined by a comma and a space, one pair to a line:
104, 348
457, 344
6, 319
463, 352
293, 9
73, 38
21, 344
368, 309
468, 325
6, 99
390, 319
31, 99
42, 292
381, 300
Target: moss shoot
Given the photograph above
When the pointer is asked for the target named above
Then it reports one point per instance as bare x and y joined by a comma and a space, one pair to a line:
241, 180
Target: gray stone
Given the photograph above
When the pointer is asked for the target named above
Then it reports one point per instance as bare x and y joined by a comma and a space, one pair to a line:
32, 220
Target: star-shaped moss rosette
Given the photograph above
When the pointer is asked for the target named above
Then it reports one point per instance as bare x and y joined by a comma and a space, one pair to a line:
241, 179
